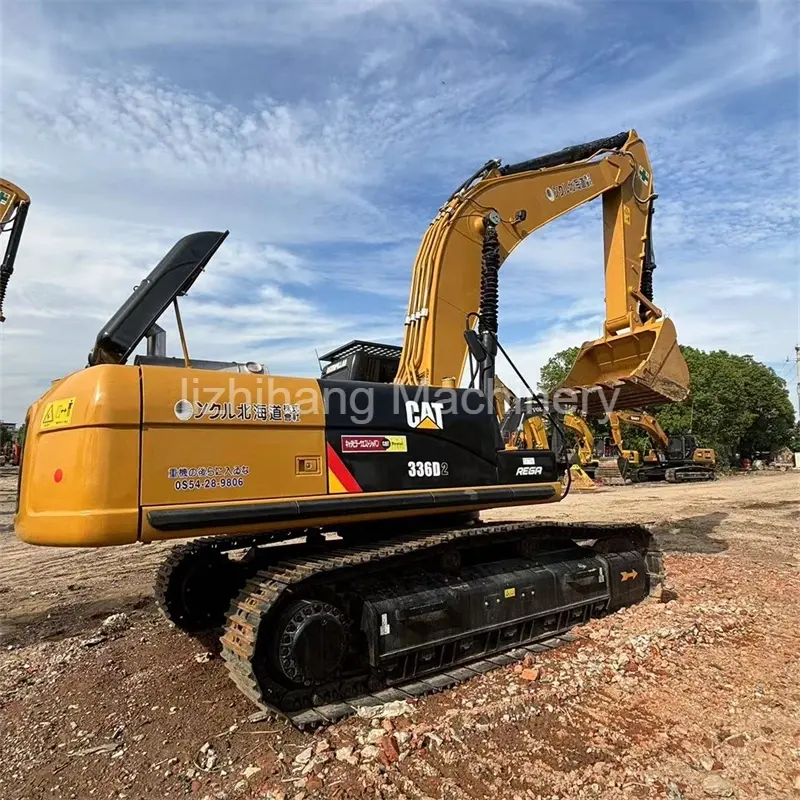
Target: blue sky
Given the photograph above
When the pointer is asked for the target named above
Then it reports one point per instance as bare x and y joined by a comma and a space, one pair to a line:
325, 135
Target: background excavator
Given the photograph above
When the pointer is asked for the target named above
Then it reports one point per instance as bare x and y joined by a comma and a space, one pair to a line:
584, 443
522, 425
14, 204
336, 519
676, 459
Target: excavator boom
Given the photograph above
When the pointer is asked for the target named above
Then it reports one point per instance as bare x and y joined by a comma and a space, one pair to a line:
14, 205
638, 353
646, 422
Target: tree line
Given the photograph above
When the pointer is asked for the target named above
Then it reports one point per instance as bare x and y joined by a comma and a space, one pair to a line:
737, 405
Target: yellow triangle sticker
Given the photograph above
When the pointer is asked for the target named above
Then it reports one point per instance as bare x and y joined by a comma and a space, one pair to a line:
335, 485
49, 417
428, 424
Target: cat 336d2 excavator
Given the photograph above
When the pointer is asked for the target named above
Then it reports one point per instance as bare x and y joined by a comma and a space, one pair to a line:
677, 459
415, 593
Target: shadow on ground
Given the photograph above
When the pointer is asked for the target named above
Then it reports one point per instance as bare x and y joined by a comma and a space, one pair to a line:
69, 619
692, 534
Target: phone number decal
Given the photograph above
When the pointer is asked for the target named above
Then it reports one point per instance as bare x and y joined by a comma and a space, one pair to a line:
190, 485
224, 476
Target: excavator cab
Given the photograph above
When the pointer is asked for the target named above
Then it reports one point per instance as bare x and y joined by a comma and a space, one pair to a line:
685, 447
361, 361
642, 366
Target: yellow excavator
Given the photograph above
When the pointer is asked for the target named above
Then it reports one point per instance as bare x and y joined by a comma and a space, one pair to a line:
523, 426
520, 426
676, 459
14, 204
365, 573
584, 442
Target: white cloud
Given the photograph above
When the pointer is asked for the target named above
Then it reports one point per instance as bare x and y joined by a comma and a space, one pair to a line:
327, 160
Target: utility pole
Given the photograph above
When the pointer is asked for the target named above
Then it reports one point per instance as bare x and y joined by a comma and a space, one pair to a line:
797, 371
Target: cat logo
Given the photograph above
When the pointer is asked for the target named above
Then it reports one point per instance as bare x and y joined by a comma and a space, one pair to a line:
424, 415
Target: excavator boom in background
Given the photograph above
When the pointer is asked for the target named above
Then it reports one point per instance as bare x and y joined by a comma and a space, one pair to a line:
522, 425
673, 458
366, 573
14, 204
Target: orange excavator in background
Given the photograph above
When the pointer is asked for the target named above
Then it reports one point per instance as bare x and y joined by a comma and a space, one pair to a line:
676, 459
414, 592
14, 204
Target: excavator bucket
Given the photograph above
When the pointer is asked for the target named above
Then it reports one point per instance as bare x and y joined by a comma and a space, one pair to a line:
629, 370
581, 482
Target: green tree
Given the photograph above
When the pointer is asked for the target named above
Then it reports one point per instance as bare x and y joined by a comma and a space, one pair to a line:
556, 369
794, 439
5, 435
737, 405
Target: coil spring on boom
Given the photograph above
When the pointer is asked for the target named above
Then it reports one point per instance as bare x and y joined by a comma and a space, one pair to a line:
3, 283
648, 266
490, 264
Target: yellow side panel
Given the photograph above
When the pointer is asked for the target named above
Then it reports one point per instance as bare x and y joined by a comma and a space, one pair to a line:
80, 468
217, 437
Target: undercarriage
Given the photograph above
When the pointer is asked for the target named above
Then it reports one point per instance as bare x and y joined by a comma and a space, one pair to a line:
684, 473
313, 629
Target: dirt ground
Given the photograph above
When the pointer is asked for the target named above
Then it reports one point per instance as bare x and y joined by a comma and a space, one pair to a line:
692, 695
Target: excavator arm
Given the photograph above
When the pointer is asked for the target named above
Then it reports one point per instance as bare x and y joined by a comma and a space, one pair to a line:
584, 434
645, 422
498, 207
14, 205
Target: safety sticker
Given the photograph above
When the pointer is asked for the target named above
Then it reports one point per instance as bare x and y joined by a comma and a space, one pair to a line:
58, 413
509, 593
374, 444
4, 198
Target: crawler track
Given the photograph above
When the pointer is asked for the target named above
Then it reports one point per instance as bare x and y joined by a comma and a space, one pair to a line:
254, 614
